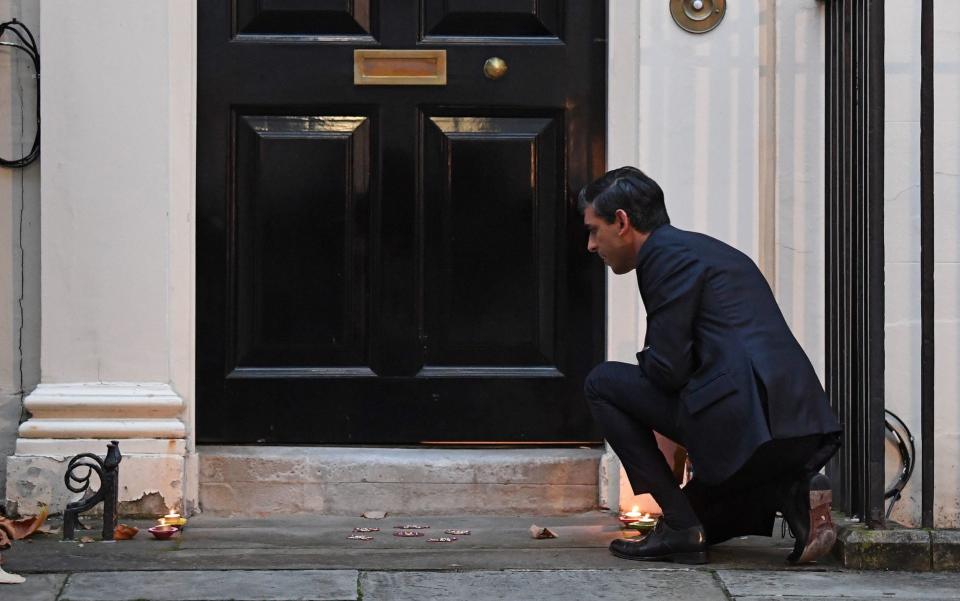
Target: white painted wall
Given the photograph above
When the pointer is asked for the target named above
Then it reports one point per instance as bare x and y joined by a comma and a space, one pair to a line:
694, 112
19, 230
105, 192
685, 108
902, 242
117, 242
697, 129
946, 167
800, 163
902, 234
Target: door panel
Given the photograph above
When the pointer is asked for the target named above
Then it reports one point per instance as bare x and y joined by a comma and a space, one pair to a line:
498, 18
301, 185
392, 264
490, 230
304, 17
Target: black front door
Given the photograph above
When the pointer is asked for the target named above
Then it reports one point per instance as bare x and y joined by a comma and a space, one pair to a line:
396, 263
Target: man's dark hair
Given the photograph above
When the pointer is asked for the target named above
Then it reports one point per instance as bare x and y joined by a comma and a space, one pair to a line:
629, 189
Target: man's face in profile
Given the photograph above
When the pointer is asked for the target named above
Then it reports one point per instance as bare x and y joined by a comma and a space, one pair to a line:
608, 240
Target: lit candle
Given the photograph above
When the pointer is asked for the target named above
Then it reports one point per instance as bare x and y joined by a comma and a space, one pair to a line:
643, 523
173, 519
631, 516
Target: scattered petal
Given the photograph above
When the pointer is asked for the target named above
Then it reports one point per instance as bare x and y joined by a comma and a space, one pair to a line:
457, 532
412, 527
374, 515
541, 532
21, 529
124, 532
359, 537
365, 529
442, 539
407, 533
87, 539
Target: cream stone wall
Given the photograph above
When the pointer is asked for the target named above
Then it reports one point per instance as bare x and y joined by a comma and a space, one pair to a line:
902, 243
902, 234
946, 166
19, 230
105, 191
730, 123
694, 112
118, 109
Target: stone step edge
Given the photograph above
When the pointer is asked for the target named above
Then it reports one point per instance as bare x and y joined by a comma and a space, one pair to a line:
377, 465
897, 548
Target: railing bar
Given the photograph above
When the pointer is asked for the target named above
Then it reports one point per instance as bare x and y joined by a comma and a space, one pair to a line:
927, 353
874, 272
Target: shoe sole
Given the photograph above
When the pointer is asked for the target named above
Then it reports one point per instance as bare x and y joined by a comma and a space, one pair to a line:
823, 532
695, 558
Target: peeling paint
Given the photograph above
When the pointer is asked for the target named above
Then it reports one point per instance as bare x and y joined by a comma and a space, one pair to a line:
149, 505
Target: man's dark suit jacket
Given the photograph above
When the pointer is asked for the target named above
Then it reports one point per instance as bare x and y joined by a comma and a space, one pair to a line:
716, 337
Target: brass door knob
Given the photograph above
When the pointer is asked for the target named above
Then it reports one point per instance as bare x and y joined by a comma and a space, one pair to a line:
495, 67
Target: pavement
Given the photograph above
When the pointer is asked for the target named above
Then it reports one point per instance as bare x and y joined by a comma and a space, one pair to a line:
309, 558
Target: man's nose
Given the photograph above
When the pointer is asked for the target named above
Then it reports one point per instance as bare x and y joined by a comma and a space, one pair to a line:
591, 246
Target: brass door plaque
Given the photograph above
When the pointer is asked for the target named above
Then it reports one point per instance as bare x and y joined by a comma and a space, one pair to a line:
400, 67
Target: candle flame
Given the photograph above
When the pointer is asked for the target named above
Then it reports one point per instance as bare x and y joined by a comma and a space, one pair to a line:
636, 509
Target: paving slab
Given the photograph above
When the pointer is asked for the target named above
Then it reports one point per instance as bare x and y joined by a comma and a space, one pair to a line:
38, 587
319, 542
238, 585
573, 585
755, 585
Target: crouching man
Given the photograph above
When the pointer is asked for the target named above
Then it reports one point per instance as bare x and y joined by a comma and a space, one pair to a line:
720, 373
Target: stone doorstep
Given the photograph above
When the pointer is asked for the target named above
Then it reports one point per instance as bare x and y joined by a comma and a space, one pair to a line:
897, 548
256, 480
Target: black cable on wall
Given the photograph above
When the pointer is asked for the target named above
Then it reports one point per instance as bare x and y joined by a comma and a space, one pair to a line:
27, 44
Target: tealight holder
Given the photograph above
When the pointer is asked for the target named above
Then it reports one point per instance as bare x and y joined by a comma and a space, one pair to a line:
173, 519
163, 532
643, 524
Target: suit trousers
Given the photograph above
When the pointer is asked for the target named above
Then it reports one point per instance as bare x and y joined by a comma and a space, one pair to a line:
628, 408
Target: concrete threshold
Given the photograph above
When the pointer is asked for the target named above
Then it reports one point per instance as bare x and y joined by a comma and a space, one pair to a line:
261, 481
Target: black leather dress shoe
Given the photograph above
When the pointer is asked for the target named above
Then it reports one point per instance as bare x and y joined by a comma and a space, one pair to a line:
665, 544
806, 504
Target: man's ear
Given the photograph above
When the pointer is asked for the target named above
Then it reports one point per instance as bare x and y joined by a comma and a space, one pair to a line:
623, 221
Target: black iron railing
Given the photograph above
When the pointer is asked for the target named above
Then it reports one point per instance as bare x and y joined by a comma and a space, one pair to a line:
926, 262
855, 253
